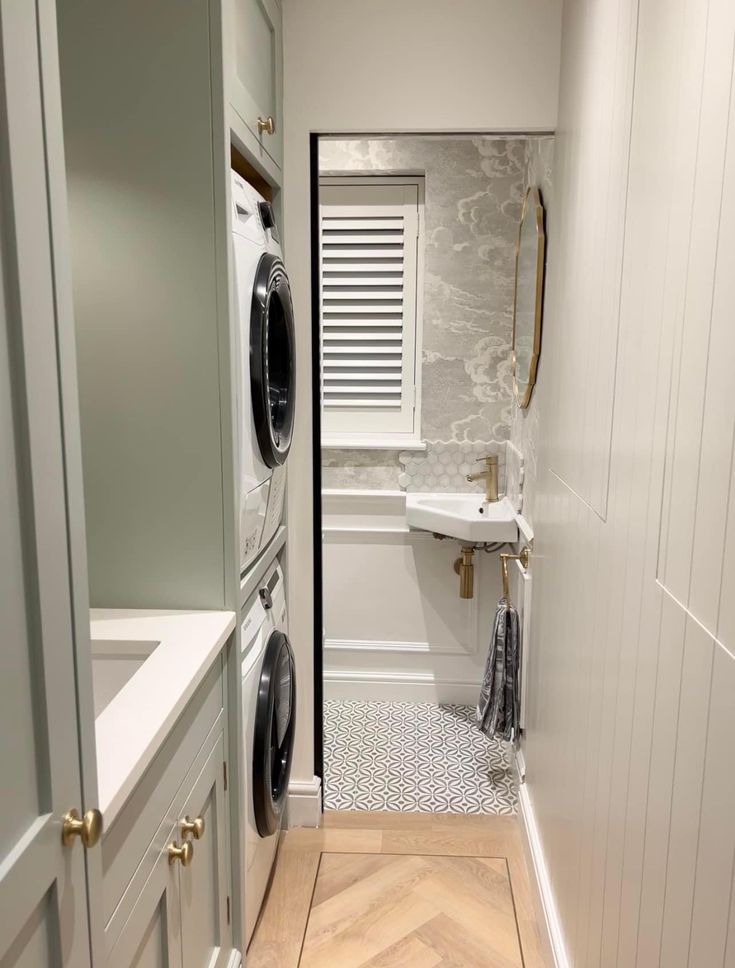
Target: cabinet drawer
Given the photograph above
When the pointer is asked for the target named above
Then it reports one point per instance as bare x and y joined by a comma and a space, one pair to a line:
126, 842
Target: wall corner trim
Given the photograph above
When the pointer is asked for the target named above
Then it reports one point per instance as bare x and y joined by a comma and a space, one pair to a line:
547, 916
305, 803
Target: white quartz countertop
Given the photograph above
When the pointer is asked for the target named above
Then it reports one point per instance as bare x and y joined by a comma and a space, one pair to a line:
131, 729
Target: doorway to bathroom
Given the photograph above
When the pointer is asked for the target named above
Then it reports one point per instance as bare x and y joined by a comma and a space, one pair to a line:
413, 274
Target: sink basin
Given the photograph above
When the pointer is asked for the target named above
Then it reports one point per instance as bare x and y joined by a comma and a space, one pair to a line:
467, 517
114, 663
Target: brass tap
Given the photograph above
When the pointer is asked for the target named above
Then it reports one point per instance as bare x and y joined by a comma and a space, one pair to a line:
489, 475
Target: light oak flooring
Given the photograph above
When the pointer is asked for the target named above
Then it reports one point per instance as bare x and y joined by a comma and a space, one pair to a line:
399, 890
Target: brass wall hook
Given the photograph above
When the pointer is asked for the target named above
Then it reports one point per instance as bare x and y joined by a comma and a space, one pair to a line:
524, 557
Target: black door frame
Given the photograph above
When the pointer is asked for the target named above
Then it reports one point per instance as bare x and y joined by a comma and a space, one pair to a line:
316, 423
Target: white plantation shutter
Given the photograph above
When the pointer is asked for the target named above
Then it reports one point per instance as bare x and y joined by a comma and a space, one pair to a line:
369, 241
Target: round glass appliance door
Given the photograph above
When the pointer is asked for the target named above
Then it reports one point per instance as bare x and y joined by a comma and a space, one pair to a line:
272, 360
275, 721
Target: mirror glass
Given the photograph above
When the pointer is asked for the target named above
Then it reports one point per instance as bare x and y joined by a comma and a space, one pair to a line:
529, 290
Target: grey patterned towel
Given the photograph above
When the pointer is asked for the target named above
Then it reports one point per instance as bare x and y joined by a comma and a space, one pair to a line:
498, 707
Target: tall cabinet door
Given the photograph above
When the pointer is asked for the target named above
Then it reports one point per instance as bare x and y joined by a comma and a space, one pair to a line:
205, 932
254, 57
43, 895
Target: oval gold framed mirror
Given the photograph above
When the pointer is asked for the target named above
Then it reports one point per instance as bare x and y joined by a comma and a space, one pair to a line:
529, 295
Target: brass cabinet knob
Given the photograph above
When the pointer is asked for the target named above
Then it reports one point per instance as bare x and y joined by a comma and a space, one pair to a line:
183, 853
266, 124
194, 827
88, 828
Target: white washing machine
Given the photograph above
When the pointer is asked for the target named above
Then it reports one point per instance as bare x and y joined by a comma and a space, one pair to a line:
266, 374
269, 718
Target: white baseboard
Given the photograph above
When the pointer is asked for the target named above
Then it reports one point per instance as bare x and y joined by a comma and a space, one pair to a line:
305, 803
546, 913
235, 960
398, 687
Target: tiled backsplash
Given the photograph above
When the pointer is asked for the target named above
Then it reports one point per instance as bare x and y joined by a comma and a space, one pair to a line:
445, 464
514, 475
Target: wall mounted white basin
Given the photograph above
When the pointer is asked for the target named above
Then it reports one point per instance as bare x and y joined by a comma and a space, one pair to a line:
467, 517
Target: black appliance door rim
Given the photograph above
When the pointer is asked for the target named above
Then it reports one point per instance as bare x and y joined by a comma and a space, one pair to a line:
269, 808
270, 281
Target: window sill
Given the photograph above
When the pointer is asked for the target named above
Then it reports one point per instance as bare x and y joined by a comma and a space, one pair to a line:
374, 442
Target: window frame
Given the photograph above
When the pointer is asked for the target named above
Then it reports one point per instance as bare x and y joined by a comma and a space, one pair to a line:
384, 439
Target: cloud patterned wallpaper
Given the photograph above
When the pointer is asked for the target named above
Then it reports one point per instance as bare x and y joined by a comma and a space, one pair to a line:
474, 193
525, 424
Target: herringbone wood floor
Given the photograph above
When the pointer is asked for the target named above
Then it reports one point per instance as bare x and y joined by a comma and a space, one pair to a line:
388, 890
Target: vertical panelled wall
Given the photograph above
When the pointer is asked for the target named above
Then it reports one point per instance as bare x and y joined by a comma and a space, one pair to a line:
631, 707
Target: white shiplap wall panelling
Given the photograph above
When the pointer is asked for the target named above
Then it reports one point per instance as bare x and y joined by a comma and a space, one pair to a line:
716, 842
593, 143
631, 690
686, 793
654, 270
702, 415
662, 759
713, 522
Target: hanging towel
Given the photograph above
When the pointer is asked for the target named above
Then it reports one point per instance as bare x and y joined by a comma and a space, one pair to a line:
498, 708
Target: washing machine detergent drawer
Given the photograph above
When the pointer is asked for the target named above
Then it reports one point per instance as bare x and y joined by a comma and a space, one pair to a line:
274, 514
253, 511
251, 629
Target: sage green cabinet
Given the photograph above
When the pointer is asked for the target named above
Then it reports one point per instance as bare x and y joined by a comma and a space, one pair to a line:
174, 912
152, 935
44, 914
254, 76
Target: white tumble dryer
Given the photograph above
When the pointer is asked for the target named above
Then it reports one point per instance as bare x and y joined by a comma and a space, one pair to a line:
268, 721
266, 375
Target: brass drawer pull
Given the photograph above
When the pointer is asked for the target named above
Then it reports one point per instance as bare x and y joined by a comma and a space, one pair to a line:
88, 828
194, 827
266, 124
183, 853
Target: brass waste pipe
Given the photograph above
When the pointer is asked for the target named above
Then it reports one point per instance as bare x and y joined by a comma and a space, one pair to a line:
465, 568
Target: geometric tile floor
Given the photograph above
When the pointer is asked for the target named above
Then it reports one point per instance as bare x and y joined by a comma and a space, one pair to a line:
412, 756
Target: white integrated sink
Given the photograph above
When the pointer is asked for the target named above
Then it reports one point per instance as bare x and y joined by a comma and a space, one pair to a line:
467, 517
114, 663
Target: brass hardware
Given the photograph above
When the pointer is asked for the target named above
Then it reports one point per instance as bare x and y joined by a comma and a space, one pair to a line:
523, 557
267, 125
88, 828
465, 568
194, 827
489, 475
528, 297
183, 853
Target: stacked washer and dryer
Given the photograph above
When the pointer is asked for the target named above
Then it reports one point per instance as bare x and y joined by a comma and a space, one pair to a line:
266, 384
265, 396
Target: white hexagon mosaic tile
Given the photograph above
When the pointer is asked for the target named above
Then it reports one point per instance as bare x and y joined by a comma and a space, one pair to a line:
445, 464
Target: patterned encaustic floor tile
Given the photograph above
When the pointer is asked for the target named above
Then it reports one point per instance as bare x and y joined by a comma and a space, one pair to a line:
412, 757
